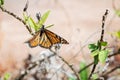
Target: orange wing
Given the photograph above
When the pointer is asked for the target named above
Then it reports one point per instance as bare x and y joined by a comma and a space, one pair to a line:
54, 38
46, 39
35, 40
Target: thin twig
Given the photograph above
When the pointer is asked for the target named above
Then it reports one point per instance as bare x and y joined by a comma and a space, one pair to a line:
112, 70
117, 53
86, 67
103, 23
105, 75
90, 64
18, 18
101, 40
76, 73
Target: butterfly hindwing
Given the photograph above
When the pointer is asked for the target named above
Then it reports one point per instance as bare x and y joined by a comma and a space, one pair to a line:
33, 42
44, 41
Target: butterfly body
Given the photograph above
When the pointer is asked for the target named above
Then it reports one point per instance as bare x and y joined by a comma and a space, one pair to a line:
45, 39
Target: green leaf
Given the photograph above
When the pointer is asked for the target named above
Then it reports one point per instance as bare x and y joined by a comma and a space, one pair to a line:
94, 53
25, 17
28, 20
92, 47
117, 12
32, 24
1, 2
84, 74
103, 43
71, 78
6, 76
117, 34
49, 25
103, 55
95, 76
43, 19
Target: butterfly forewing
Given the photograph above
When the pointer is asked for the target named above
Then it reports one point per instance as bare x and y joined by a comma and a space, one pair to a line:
63, 41
55, 38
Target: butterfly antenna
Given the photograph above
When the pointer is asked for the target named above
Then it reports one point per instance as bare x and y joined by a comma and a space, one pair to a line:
26, 6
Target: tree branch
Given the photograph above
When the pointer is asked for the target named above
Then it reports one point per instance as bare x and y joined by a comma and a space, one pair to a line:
101, 40
112, 70
76, 73
18, 18
105, 75
90, 64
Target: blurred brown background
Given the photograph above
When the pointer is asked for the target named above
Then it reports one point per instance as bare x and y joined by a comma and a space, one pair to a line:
78, 21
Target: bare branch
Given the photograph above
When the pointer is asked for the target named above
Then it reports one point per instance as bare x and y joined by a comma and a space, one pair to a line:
18, 18
76, 73
112, 70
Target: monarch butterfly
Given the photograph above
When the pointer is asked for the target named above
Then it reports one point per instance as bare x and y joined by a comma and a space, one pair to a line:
45, 39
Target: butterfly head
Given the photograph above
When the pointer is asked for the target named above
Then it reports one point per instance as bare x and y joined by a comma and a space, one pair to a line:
42, 28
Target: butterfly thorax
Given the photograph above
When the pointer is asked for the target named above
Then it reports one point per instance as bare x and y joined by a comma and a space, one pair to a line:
42, 30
